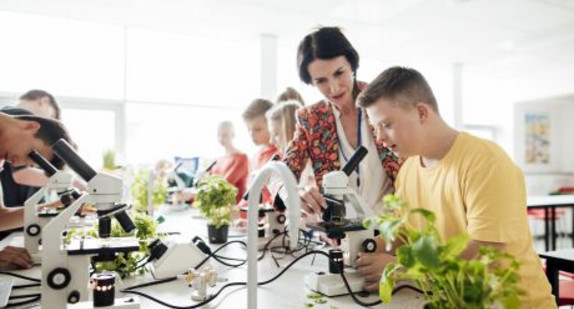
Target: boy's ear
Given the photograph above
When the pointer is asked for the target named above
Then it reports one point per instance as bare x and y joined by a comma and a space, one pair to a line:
30, 126
422, 111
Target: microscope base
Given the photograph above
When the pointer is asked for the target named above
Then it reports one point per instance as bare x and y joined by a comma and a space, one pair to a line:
130, 302
178, 258
332, 284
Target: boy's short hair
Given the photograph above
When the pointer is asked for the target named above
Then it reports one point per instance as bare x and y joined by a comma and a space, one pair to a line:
290, 94
50, 131
37, 94
257, 108
400, 85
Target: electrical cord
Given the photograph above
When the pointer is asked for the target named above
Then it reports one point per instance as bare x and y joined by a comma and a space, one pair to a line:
20, 276
128, 290
25, 302
23, 286
361, 303
228, 258
23, 296
143, 285
219, 249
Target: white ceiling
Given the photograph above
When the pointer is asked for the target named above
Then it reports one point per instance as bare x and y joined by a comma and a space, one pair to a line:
509, 34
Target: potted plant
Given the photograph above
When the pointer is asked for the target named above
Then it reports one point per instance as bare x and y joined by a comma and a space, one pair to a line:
447, 280
214, 199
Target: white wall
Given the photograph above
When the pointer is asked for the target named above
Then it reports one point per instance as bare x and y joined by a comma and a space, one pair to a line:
490, 95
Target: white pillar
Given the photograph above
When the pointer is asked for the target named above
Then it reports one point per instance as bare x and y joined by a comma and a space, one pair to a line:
268, 66
457, 95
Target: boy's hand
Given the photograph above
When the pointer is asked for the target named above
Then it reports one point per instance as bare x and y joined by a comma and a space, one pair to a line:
371, 266
14, 258
312, 201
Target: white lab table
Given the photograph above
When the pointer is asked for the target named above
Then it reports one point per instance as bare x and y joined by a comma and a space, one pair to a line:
288, 291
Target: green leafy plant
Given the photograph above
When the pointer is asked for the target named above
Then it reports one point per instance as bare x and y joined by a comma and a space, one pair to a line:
139, 190
109, 160
125, 264
214, 198
447, 280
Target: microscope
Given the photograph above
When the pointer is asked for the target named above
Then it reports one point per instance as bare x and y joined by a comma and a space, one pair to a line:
176, 185
271, 219
66, 267
34, 218
350, 233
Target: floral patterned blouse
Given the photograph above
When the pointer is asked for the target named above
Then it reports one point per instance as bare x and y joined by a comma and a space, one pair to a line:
316, 139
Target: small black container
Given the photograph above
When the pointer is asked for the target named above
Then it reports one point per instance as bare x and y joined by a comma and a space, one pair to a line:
217, 235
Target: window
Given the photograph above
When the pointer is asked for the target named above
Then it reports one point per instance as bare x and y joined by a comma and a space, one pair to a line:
482, 131
62, 56
94, 131
161, 131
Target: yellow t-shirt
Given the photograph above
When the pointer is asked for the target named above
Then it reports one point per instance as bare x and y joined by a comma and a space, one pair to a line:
477, 189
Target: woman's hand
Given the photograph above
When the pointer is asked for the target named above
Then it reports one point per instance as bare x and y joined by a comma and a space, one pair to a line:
371, 266
312, 202
14, 258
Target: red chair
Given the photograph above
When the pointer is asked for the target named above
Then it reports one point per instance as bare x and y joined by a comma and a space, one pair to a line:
566, 297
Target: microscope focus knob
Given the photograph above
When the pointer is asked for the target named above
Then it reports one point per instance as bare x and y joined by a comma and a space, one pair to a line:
59, 278
369, 245
33, 230
74, 297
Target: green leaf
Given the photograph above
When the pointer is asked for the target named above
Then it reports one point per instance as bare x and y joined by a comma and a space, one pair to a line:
426, 253
427, 214
405, 256
455, 246
386, 289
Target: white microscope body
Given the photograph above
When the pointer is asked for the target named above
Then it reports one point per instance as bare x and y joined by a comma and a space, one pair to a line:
34, 221
353, 236
65, 269
175, 258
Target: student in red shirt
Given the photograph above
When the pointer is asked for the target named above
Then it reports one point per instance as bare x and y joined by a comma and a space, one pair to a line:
233, 166
256, 122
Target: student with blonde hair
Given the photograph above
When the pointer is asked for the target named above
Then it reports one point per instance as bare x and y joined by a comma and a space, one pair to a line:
290, 94
282, 121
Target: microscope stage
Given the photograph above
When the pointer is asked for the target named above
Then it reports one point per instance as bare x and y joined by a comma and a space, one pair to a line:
97, 245
348, 225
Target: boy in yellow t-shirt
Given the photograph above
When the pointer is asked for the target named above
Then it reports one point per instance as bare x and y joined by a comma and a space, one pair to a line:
469, 183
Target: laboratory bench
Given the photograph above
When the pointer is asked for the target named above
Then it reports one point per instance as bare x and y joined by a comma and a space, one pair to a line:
288, 291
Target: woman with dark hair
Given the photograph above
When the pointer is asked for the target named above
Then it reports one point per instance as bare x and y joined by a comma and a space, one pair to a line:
328, 132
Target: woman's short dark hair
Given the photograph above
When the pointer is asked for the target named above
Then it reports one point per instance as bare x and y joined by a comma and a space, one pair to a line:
324, 43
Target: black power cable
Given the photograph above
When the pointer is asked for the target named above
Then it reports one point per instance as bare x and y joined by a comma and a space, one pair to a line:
25, 302
20, 276
361, 303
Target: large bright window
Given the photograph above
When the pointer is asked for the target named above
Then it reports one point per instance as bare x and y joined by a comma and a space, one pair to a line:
94, 131
192, 69
65, 57
162, 131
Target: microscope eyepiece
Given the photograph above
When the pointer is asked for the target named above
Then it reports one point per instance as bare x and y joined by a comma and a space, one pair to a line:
67, 153
355, 159
43, 163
